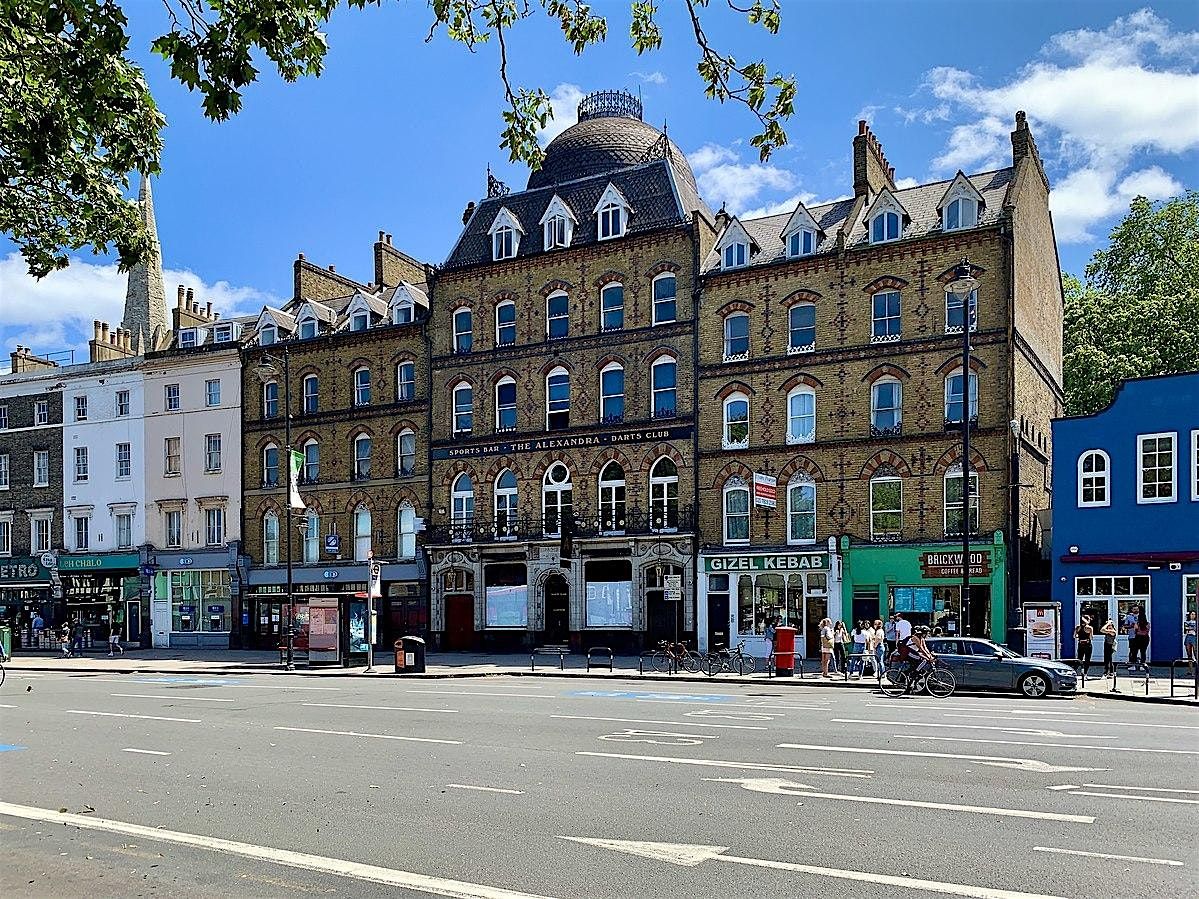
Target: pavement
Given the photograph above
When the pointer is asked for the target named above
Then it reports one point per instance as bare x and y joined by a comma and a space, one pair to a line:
248, 784
1155, 687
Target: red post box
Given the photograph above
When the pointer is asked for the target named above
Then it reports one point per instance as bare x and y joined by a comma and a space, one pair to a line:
784, 651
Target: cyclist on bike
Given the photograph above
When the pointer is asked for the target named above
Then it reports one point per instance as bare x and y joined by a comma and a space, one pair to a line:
914, 652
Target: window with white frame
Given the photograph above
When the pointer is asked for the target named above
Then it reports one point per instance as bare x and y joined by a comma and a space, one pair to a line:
463, 330
360, 321
736, 255
736, 511
270, 399
462, 506
885, 226
665, 300
954, 501
405, 382
463, 398
557, 400
172, 457
187, 338
270, 466
612, 307
557, 499
406, 452
4, 471
1094, 471
310, 388
664, 379
124, 528
612, 393
505, 404
886, 407
170, 399
41, 409
212, 453
5, 533
311, 473
959, 213
505, 495
1195, 465
886, 507
557, 232
504, 243
406, 531
82, 532
1156, 468
362, 534
3, 418
801, 510
307, 328
122, 405
886, 321
736, 337
124, 461
81, 464
505, 323
224, 333
953, 397
311, 547
362, 457
39, 531
270, 539
736, 422
611, 220
801, 243
557, 315
268, 335
212, 392
41, 468
801, 327
401, 312
801, 415
214, 526
362, 387
954, 307
81, 407
664, 496
172, 524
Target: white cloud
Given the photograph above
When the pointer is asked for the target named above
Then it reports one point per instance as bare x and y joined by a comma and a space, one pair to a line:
650, 77
787, 205
867, 114
564, 100
1090, 195
938, 113
724, 180
710, 155
905, 183
984, 144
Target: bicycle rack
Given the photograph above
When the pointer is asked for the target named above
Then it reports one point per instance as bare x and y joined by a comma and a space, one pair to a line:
1194, 677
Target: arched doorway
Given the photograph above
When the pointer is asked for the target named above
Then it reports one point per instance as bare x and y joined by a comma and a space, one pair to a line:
557, 610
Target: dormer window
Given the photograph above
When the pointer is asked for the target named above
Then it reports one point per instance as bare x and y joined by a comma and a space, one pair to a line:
187, 338
225, 332
884, 226
556, 232
360, 321
611, 213
960, 213
401, 313
268, 335
308, 329
736, 255
503, 243
801, 243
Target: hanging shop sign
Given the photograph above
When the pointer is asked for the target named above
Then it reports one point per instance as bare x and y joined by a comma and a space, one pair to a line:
949, 564
771, 562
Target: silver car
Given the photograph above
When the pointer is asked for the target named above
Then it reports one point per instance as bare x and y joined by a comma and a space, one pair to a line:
983, 665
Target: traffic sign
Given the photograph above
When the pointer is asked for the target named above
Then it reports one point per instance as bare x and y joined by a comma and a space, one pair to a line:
332, 544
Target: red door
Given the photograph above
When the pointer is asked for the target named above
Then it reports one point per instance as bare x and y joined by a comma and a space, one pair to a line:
459, 622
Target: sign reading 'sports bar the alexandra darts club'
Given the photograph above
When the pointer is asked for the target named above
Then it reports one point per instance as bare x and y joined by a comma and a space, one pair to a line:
949, 564
581, 441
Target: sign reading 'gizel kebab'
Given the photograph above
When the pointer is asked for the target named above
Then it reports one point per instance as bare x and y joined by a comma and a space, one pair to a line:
949, 564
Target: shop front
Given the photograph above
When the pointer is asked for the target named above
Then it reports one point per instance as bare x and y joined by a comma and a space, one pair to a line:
403, 610
26, 592
194, 598
337, 591
923, 582
741, 593
103, 591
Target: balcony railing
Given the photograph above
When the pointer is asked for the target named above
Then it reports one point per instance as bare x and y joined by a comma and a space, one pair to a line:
585, 523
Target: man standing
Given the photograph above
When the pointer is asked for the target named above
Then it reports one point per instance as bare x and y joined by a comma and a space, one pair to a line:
903, 627
889, 634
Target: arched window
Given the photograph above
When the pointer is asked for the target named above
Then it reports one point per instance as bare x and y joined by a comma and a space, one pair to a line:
953, 397
612, 306
801, 415
736, 511
611, 221
505, 505
801, 510
557, 400
312, 462
886, 319
405, 382
362, 457
1094, 469
736, 337
464, 408
312, 537
557, 499
405, 453
505, 404
406, 531
953, 312
270, 539
665, 306
801, 324
886, 506
311, 391
612, 499
463, 330
664, 495
884, 226
362, 534
954, 502
886, 407
362, 386
557, 315
505, 323
664, 375
960, 213
270, 399
612, 393
270, 465
462, 507
736, 422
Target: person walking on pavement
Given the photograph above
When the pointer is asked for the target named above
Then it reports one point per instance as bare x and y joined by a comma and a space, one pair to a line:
840, 640
1083, 634
114, 642
64, 639
1109, 646
1139, 642
889, 634
826, 646
879, 647
1188, 640
77, 637
857, 658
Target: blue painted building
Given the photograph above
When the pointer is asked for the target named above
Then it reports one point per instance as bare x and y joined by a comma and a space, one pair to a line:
1126, 512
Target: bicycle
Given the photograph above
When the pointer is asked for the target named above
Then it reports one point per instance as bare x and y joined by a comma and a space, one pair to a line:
671, 656
3, 659
732, 660
938, 681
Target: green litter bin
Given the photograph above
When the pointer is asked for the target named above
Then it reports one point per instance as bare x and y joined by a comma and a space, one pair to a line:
6, 640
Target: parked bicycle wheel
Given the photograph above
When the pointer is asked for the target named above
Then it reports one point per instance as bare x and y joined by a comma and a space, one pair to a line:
691, 662
661, 661
746, 665
940, 683
894, 682
714, 664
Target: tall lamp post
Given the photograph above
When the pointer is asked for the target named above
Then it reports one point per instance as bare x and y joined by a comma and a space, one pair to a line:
267, 368
963, 289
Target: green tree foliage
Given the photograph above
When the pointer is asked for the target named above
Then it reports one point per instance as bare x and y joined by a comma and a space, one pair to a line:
1137, 314
76, 116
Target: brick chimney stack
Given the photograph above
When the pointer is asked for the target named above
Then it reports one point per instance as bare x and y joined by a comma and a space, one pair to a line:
871, 171
23, 359
1024, 147
190, 312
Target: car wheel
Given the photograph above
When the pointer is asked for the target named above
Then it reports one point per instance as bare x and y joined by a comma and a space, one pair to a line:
1034, 685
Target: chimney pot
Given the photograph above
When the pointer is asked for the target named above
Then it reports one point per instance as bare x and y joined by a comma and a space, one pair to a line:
332, 268
190, 294
380, 237
300, 257
182, 293
468, 212
389, 240
208, 309
862, 126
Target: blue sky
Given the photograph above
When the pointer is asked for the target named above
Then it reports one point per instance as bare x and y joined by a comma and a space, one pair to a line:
397, 134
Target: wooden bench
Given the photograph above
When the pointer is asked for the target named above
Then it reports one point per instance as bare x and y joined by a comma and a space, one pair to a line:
559, 650
600, 651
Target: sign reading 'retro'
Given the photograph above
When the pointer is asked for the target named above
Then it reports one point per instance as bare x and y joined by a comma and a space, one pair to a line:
772, 562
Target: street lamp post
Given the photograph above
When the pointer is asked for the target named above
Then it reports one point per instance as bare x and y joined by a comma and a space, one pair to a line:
962, 287
268, 367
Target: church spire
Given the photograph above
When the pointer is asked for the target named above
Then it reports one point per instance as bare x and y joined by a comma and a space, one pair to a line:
145, 304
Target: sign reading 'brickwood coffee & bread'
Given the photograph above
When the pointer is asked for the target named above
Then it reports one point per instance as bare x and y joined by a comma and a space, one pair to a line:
949, 564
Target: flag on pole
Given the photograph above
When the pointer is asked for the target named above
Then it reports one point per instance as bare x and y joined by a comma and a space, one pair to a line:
295, 466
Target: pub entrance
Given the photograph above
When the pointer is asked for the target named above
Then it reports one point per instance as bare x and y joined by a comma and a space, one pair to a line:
557, 610
459, 622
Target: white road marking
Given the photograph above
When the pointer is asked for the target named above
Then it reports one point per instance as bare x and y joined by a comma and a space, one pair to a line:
1135, 797
422, 883
691, 855
648, 721
1013, 710
125, 715
749, 766
1063, 787
161, 696
1087, 723
1141, 789
730, 716
772, 785
383, 708
146, 751
209, 684
486, 789
1026, 731
477, 693
811, 708
1058, 745
629, 735
4, 705
996, 761
352, 733
1121, 858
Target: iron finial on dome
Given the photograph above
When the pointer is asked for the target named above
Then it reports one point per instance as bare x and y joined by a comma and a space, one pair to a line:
610, 105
